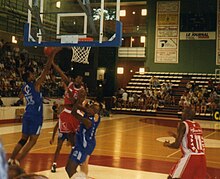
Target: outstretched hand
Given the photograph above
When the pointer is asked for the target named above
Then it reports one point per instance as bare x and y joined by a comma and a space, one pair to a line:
172, 134
166, 143
51, 141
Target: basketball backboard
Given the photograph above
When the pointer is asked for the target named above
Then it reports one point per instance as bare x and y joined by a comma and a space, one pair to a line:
73, 23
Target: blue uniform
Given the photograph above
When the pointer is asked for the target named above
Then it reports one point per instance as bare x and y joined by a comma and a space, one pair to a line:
33, 116
3, 164
85, 142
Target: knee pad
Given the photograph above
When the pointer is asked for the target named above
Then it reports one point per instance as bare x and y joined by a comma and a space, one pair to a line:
22, 142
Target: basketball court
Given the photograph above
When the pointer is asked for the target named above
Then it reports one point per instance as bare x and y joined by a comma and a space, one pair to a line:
128, 147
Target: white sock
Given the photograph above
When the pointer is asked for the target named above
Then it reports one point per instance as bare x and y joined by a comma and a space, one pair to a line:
79, 175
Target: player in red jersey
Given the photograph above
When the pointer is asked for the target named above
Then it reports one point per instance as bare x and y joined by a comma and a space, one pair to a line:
189, 138
74, 96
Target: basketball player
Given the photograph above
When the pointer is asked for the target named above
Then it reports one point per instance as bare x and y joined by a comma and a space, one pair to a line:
189, 136
74, 96
3, 163
61, 138
33, 116
85, 141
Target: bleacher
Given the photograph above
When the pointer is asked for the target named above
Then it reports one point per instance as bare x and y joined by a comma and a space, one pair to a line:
140, 82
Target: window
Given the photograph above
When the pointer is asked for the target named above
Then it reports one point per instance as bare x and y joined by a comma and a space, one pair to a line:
142, 39
120, 70
141, 70
58, 4
122, 13
144, 12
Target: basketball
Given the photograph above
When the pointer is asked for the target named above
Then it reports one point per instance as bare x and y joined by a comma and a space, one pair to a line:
48, 51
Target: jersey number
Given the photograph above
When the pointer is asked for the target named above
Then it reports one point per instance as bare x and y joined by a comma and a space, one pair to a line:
198, 141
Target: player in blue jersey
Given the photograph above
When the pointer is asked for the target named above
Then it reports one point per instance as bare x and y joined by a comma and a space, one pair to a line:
33, 116
85, 140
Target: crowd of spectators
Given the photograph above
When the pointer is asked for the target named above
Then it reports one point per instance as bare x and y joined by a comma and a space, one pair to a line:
202, 99
154, 96
13, 62
205, 99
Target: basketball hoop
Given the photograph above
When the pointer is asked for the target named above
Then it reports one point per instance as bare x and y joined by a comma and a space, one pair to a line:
81, 54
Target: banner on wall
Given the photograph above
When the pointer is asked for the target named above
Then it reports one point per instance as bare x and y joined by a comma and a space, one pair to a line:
167, 32
197, 35
169, 43
164, 31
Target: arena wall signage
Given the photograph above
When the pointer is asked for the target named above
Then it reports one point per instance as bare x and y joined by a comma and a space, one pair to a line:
197, 35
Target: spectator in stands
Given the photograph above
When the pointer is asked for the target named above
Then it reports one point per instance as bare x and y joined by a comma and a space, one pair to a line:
141, 100
203, 106
19, 102
136, 97
1, 102
218, 89
173, 100
194, 86
169, 86
125, 99
130, 100
154, 82
181, 104
210, 85
120, 92
188, 86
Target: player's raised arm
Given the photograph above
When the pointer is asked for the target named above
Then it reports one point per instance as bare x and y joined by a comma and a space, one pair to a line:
63, 76
46, 69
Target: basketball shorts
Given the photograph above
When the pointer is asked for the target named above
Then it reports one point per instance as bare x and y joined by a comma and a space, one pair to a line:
190, 166
79, 154
67, 122
31, 125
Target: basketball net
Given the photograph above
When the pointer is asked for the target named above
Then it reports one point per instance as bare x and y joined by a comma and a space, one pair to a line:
80, 54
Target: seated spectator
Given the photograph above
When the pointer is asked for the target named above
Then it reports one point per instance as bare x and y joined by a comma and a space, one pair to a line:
203, 106
173, 100
181, 104
135, 96
130, 100
210, 85
125, 99
154, 82
1, 102
19, 102
188, 86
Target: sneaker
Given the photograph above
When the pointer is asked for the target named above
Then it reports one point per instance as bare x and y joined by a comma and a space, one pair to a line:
53, 168
16, 162
10, 161
13, 162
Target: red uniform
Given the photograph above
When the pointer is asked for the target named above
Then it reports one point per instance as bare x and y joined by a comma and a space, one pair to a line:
67, 122
192, 165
